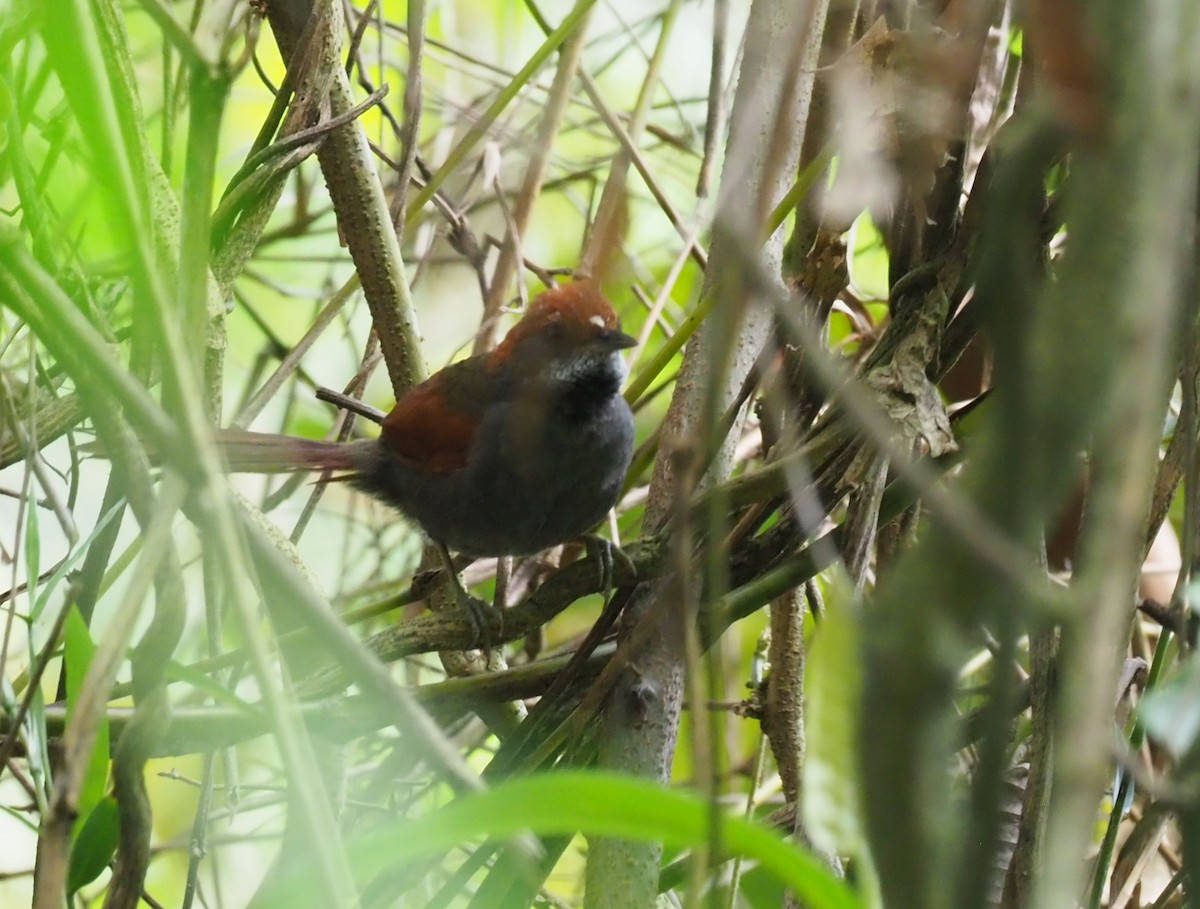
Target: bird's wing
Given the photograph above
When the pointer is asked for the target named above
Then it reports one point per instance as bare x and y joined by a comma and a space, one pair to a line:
433, 426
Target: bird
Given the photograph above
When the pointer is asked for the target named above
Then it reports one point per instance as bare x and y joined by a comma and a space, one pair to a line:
506, 453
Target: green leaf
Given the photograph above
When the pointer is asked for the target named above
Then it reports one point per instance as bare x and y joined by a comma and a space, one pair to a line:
6, 98
179, 672
761, 891
77, 657
33, 551
67, 564
868, 259
831, 797
565, 802
1171, 713
1191, 595
832, 693
95, 844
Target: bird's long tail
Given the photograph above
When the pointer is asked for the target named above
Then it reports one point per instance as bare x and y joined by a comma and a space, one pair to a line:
263, 452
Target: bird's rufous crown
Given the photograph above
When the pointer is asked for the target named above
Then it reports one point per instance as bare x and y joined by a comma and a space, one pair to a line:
579, 303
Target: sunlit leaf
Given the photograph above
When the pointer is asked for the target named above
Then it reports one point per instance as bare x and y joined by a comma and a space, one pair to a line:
77, 657
833, 686
596, 803
94, 845
868, 259
1171, 713
831, 796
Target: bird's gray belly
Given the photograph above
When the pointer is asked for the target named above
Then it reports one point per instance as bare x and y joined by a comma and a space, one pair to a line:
524, 492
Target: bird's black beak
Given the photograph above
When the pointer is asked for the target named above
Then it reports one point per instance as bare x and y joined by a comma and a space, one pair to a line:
616, 339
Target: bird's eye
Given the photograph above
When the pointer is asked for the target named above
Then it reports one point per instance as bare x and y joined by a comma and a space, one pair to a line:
597, 320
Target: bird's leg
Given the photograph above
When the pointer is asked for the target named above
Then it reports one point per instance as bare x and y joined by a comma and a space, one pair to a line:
504, 566
478, 612
605, 553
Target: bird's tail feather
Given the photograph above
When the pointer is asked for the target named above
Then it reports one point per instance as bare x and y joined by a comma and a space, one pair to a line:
263, 452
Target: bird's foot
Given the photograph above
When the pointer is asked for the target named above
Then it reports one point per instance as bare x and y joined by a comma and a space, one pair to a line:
486, 620
606, 554
482, 615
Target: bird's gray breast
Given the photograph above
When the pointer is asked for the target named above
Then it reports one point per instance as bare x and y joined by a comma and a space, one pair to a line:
536, 477
557, 478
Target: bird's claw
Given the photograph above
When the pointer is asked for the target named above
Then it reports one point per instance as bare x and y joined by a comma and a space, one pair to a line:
606, 554
482, 615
